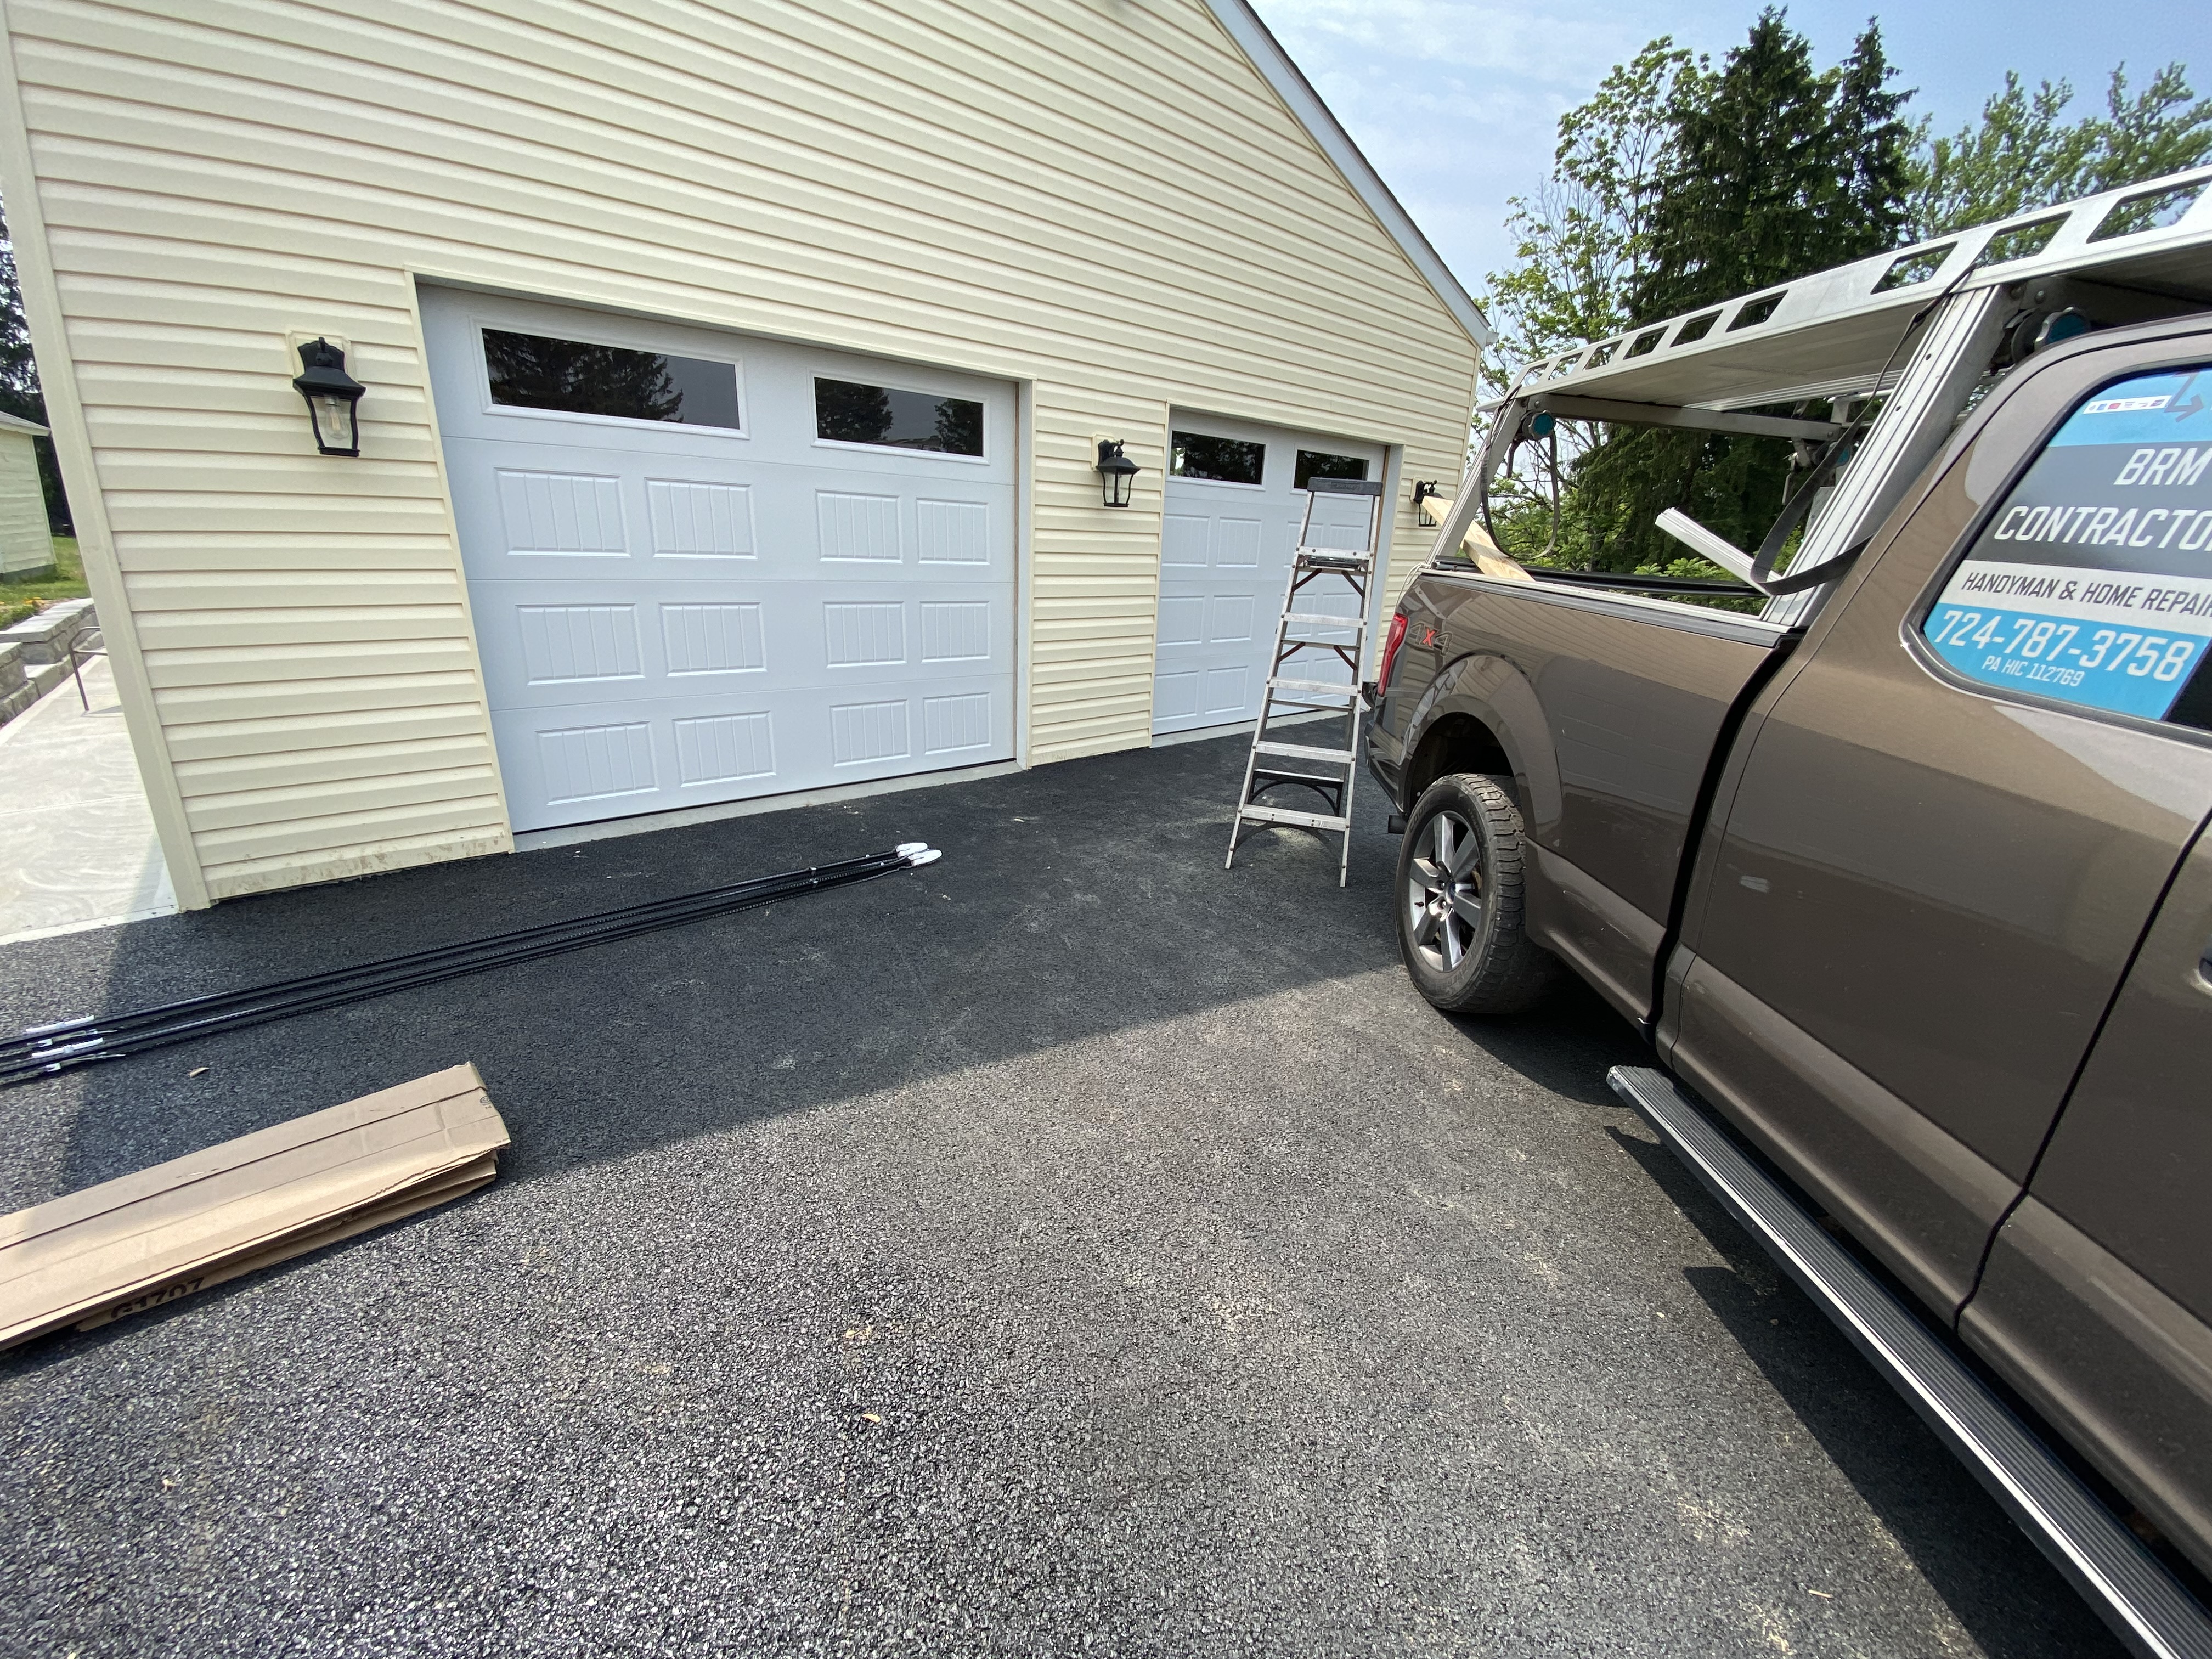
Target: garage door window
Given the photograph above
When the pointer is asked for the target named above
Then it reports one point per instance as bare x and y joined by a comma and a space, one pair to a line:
849, 412
1221, 460
1317, 464
2092, 581
573, 377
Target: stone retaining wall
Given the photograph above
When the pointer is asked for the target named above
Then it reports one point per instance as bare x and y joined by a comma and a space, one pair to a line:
35, 654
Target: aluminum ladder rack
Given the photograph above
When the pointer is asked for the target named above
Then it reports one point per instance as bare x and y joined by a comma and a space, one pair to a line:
1896, 344
1329, 642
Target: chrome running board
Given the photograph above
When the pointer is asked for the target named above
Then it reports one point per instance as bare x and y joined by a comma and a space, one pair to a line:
2128, 1585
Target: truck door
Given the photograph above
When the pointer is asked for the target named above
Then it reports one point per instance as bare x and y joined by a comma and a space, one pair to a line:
2097, 1301
1956, 813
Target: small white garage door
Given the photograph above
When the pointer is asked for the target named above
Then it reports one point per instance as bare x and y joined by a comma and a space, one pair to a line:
1235, 501
705, 568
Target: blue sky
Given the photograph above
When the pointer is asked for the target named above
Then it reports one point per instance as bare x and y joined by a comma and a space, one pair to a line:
1456, 102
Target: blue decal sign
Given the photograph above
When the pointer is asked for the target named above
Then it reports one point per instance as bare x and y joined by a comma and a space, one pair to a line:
2092, 583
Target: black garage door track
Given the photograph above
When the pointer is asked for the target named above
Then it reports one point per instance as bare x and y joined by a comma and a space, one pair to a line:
1070, 1247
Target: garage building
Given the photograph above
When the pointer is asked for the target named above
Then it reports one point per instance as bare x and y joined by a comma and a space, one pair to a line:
734, 377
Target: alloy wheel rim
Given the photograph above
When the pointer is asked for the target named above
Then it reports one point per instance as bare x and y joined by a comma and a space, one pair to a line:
1444, 891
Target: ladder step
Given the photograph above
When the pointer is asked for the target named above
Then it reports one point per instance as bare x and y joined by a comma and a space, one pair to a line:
1332, 558
1283, 815
1323, 616
1313, 685
1305, 751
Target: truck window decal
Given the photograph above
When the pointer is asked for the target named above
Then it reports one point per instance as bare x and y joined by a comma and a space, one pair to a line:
2092, 582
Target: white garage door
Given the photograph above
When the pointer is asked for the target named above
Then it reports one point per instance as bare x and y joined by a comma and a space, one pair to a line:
705, 568
1234, 500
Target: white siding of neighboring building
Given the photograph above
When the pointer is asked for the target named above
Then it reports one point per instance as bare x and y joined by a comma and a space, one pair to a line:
26, 544
1100, 199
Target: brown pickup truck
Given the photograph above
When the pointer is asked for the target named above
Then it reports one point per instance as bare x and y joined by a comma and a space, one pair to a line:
1909, 886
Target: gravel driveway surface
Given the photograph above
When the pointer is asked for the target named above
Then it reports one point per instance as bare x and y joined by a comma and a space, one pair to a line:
1073, 1247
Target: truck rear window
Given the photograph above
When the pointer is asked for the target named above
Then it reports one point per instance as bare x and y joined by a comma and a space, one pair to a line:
2091, 583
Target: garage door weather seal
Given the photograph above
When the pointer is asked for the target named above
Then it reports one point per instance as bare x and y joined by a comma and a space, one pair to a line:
44, 1050
2124, 1581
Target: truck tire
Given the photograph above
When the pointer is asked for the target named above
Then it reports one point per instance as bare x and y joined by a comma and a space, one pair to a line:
1458, 900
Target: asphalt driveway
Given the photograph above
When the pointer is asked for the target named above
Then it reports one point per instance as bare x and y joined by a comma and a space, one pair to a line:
1070, 1247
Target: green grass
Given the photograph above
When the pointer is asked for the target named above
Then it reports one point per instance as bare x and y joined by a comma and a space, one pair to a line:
18, 600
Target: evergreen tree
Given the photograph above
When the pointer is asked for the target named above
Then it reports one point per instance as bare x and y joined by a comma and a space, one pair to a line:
1775, 170
535, 371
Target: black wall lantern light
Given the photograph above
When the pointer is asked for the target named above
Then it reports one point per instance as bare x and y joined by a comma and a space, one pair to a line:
1116, 470
334, 397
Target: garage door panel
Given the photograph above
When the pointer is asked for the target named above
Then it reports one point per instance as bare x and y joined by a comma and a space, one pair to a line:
671, 616
1237, 543
525, 516
1182, 620
1224, 560
579, 762
1186, 539
713, 636
1229, 617
700, 519
546, 643
954, 530
1175, 697
559, 514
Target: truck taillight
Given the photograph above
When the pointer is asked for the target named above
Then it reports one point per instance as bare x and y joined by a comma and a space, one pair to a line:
1390, 652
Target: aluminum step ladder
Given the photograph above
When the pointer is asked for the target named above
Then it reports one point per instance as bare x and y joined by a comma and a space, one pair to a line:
1316, 689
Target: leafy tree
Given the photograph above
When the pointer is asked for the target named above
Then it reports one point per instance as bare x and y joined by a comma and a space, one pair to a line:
2024, 154
1582, 243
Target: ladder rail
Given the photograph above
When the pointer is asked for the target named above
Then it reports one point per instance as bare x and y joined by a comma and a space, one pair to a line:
1286, 691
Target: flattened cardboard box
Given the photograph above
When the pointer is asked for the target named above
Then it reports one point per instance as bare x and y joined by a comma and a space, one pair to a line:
193, 1222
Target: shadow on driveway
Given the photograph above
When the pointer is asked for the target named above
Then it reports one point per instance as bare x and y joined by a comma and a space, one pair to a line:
1100, 1251
1907, 1476
1071, 901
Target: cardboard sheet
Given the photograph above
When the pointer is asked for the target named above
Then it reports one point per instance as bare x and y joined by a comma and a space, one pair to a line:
150, 1238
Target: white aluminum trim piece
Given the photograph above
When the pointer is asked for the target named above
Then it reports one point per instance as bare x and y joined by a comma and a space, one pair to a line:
1708, 546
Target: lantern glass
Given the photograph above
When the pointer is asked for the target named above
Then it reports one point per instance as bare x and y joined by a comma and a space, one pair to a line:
336, 429
332, 398
1116, 473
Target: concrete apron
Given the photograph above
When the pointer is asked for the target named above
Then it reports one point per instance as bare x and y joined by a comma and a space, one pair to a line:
76, 839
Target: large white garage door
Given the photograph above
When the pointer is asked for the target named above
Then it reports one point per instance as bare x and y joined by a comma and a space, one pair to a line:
1234, 500
705, 568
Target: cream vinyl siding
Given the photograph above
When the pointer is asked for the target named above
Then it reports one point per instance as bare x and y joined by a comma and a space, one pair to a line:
1103, 201
26, 544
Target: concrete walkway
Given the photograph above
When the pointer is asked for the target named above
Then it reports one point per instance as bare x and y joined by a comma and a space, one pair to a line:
77, 840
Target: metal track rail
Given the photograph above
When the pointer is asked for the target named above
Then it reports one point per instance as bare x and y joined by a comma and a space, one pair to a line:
2128, 1585
46, 1050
